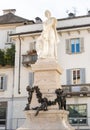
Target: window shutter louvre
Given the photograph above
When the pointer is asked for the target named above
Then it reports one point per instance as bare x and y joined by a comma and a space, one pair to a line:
5, 82
10, 39
82, 75
7, 36
31, 79
68, 46
81, 44
68, 76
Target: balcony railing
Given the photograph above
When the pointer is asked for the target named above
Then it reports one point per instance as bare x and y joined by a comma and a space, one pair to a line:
28, 59
77, 90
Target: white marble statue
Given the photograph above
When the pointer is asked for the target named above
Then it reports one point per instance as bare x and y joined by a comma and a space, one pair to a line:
47, 42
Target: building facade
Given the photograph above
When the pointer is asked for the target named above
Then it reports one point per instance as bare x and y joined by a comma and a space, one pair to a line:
73, 57
8, 23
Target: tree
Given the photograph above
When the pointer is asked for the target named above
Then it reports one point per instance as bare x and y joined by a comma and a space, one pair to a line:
10, 55
2, 60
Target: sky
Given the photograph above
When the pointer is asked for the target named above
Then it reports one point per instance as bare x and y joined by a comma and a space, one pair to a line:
31, 9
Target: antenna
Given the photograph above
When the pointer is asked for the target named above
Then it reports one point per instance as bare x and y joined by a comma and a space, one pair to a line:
74, 10
88, 11
67, 11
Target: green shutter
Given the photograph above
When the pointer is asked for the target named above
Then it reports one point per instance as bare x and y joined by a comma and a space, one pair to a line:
68, 46
82, 76
68, 77
31, 79
81, 44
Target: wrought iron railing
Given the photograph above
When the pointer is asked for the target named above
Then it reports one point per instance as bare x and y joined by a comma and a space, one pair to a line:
28, 59
77, 89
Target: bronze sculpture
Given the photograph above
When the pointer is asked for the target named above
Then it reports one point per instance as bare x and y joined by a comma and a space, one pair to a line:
60, 99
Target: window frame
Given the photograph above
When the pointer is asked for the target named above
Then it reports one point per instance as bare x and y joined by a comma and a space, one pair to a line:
76, 71
9, 39
78, 118
69, 45
3, 121
69, 76
74, 45
4, 76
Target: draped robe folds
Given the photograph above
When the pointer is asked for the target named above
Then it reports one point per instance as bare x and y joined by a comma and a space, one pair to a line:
47, 41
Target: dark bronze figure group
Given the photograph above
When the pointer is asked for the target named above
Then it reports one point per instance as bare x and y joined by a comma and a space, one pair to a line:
60, 99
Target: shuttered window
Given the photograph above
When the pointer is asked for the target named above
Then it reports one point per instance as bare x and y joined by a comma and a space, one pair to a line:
75, 76
74, 46
3, 82
9, 39
31, 79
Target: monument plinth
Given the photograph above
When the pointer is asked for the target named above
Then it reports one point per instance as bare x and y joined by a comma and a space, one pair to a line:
47, 74
46, 108
49, 120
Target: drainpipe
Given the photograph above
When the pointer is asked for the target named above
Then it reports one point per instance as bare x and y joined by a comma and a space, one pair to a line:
19, 71
12, 97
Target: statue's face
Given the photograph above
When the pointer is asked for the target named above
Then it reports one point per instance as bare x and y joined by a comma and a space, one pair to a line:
47, 14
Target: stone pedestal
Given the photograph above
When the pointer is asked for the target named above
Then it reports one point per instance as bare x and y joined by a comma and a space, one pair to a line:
47, 77
46, 120
47, 74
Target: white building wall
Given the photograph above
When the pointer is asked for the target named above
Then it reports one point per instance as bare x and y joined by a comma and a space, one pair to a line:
22, 71
73, 22
69, 61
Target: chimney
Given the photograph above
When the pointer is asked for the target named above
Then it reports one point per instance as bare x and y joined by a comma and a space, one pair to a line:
89, 12
71, 15
6, 11
38, 20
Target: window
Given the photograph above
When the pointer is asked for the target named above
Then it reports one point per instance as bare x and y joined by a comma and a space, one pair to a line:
32, 45
3, 82
9, 40
74, 46
75, 76
31, 79
3, 110
77, 114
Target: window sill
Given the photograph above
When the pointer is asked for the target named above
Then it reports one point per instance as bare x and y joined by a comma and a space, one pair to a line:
74, 53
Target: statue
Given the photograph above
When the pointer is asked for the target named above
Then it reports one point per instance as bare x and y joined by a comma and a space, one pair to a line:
43, 106
46, 45
30, 93
61, 99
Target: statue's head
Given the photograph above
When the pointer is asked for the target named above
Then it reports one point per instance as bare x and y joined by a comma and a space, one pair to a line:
47, 13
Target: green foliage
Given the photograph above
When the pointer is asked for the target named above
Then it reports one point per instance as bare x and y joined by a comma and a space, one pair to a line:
7, 56
2, 60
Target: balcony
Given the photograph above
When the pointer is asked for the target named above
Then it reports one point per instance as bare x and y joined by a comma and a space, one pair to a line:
29, 59
77, 90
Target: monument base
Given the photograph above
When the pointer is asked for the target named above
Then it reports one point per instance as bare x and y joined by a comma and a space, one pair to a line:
47, 74
46, 120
